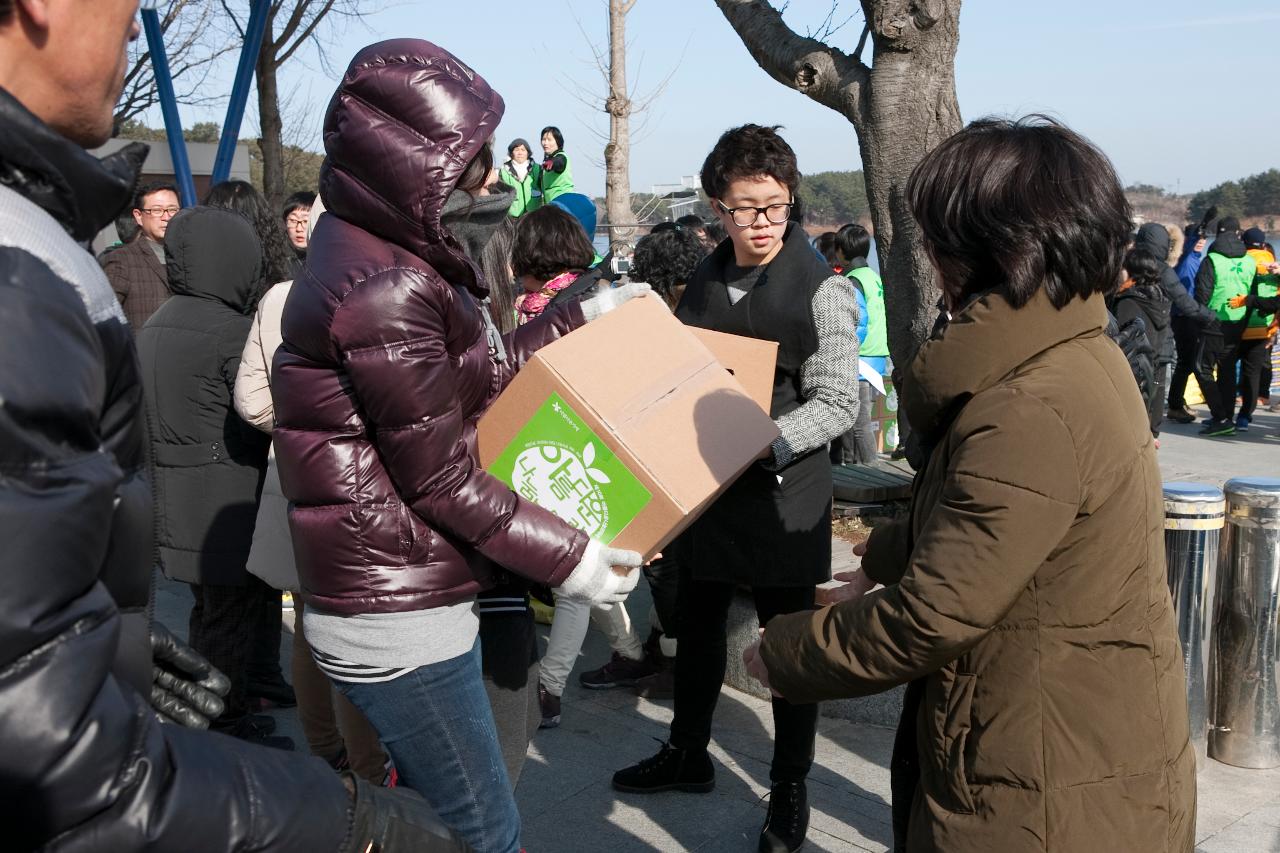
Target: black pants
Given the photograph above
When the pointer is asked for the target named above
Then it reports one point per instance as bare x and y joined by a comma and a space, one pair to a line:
700, 666
224, 627
1186, 333
1216, 352
663, 575
1252, 356
509, 661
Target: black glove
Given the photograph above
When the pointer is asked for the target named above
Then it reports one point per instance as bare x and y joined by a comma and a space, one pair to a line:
396, 820
185, 688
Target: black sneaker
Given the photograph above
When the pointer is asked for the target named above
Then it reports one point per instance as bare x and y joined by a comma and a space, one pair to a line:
671, 769
275, 693
618, 672
788, 821
1218, 428
1179, 415
549, 703
245, 729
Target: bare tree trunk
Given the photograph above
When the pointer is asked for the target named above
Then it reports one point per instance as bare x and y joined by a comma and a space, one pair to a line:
617, 153
272, 143
901, 106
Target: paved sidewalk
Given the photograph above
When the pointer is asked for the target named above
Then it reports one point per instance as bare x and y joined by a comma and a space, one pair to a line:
568, 806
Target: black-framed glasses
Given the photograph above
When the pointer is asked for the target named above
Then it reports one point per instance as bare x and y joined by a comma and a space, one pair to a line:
744, 216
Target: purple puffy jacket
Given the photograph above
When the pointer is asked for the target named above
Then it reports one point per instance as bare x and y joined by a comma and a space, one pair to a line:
386, 367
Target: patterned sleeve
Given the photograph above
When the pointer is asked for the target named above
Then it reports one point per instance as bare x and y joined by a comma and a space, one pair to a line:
828, 378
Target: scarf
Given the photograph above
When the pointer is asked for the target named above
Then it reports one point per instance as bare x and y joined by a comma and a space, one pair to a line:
530, 305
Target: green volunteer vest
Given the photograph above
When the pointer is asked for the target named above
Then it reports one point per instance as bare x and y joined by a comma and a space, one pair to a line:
553, 184
524, 200
1267, 286
1231, 277
877, 342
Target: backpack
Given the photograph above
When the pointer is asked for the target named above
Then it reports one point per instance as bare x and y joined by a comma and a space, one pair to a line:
1134, 342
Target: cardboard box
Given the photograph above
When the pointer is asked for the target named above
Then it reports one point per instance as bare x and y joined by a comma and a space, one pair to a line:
751, 361
627, 428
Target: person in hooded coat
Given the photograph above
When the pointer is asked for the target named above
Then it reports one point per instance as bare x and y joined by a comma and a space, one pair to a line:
209, 463
1141, 295
1227, 271
1189, 320
388, 361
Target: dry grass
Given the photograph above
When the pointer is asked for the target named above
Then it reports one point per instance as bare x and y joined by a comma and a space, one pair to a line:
852, 530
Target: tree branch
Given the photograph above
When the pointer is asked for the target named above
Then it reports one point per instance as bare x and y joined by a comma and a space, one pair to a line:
823, 73
306, 33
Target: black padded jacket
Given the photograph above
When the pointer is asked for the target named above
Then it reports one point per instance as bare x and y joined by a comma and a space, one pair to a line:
86, 765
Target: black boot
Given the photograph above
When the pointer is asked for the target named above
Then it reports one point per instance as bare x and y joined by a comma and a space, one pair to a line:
671, 769
788, 821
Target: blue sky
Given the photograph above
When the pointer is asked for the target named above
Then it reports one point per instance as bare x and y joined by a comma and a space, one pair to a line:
1177, 94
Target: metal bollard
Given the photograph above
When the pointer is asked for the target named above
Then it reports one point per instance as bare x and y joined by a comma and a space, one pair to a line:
1244, 711
1192, 528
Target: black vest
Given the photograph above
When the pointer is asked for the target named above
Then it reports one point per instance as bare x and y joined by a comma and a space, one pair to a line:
770, 528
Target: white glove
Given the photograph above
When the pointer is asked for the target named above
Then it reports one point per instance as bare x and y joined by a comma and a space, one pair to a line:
606, 300
593, 580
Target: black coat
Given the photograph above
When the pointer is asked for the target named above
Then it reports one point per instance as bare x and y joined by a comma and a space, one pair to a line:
87, 765
209, 463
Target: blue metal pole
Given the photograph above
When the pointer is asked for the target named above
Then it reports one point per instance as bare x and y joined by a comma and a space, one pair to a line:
240, 89
169, 106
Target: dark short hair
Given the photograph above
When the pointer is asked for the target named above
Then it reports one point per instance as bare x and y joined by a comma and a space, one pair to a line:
853, 241
140, 196
715, 231
302, 200
825, 243
691, 220
127, 227
1144, 268
517, 143
749, 151
6, 9
555, 134
1020, 206
550, 241
666, 259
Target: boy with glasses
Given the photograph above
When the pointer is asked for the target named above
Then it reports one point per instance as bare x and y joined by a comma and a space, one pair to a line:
137, 270
296, 214
771, 531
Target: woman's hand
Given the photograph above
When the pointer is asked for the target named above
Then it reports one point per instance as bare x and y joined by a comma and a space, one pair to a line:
755, 666
1237, 301
857, 582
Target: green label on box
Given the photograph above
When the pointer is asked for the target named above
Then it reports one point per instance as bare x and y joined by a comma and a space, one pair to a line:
561, 465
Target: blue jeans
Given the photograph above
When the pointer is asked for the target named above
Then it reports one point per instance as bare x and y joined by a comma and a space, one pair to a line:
438, 726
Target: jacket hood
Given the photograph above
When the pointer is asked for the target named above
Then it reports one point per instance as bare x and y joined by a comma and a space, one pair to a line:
1153, 237
1228, 244
214, 253
404, 123
984, 342
1154, 303
84, 194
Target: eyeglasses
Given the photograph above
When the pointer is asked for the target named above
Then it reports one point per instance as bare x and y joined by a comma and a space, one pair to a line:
775, 214
158, 212
293, 222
